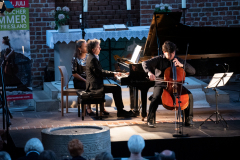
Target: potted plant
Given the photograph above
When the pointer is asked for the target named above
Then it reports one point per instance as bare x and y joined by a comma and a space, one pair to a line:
61, 15
162, 8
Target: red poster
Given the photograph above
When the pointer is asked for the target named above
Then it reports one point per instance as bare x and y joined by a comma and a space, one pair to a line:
19, 97
20, 3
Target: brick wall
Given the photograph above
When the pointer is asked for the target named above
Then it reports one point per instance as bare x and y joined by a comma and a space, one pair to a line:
102, 12
39, 22
223, 13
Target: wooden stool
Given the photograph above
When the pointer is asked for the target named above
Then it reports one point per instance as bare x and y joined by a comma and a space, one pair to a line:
90, 98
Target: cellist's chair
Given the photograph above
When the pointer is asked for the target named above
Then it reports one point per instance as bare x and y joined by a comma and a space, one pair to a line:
65, 91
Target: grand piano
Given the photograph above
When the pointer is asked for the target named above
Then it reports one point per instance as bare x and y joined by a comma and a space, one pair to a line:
204, 43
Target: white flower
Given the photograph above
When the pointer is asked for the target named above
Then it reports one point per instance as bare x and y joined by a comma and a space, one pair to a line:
66, 9
166, 5
162, 7
52, 13
58, 9
161, 4
157, 6
61, 16
52, 24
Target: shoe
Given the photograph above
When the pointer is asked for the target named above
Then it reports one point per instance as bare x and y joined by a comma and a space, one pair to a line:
151, 124
136, 113
91, 113
150, 98
132, 114
189, 121
105, 113
124, 113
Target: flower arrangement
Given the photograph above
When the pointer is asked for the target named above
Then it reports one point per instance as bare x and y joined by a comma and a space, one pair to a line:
162, 8
61, 15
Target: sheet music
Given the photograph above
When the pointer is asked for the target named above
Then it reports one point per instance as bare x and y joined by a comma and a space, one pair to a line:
136, 54
109, 27
119, 25
114, 27
218, 81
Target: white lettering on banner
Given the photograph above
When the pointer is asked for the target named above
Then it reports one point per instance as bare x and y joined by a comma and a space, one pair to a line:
23, 18
19, 11
16, 19
10, 20
2, 21
13, 26
20, 3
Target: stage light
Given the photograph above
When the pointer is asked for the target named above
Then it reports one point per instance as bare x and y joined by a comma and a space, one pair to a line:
5, 5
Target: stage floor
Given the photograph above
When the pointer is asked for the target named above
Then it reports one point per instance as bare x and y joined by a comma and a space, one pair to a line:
164, 118
26, 125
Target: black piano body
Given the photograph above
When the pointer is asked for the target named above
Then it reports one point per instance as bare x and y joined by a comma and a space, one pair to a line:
204, 42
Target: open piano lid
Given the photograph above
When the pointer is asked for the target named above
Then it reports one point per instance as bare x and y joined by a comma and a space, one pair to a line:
168, 28
201, 40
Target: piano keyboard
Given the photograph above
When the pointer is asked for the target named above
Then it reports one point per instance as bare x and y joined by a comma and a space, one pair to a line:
123, 75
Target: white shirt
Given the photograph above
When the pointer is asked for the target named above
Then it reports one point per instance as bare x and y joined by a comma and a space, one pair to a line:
97, 56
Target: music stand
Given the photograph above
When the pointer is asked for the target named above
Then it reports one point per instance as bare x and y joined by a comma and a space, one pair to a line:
218, 80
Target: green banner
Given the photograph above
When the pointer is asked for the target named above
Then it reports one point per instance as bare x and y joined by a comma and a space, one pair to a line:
18, 19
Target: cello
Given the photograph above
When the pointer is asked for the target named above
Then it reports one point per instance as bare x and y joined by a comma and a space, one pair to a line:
175, 95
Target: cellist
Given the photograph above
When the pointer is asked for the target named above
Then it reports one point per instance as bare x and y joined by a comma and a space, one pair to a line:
155, 68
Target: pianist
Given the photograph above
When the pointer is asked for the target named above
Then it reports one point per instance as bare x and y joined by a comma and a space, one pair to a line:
79, 69
95, 74
155, 68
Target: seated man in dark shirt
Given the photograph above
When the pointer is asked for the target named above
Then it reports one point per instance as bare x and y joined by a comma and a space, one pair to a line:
155, 68
95, 74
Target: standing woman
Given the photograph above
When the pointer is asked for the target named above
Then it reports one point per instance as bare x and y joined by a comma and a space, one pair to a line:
79, 68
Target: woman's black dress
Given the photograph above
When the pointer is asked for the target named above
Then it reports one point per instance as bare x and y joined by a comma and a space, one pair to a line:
79, 67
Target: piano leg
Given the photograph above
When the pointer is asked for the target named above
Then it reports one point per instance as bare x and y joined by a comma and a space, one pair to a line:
144, 102
131, 91
134, 100
136, 108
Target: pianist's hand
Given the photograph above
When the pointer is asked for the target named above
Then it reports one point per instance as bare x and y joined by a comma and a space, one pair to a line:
117, 74
177, 63
151, 76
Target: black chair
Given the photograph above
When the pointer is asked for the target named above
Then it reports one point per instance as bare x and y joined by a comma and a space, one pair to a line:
90, 98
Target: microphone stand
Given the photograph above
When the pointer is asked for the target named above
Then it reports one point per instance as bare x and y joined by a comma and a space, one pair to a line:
5, 109
184, 14
83, 23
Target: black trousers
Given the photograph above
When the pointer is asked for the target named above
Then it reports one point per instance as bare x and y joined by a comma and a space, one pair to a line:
156, 100
117, 94
79, 84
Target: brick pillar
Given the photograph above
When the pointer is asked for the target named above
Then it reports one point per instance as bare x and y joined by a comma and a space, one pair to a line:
39, 23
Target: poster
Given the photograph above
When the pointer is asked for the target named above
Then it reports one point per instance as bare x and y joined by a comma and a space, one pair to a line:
15, 56
18, 19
